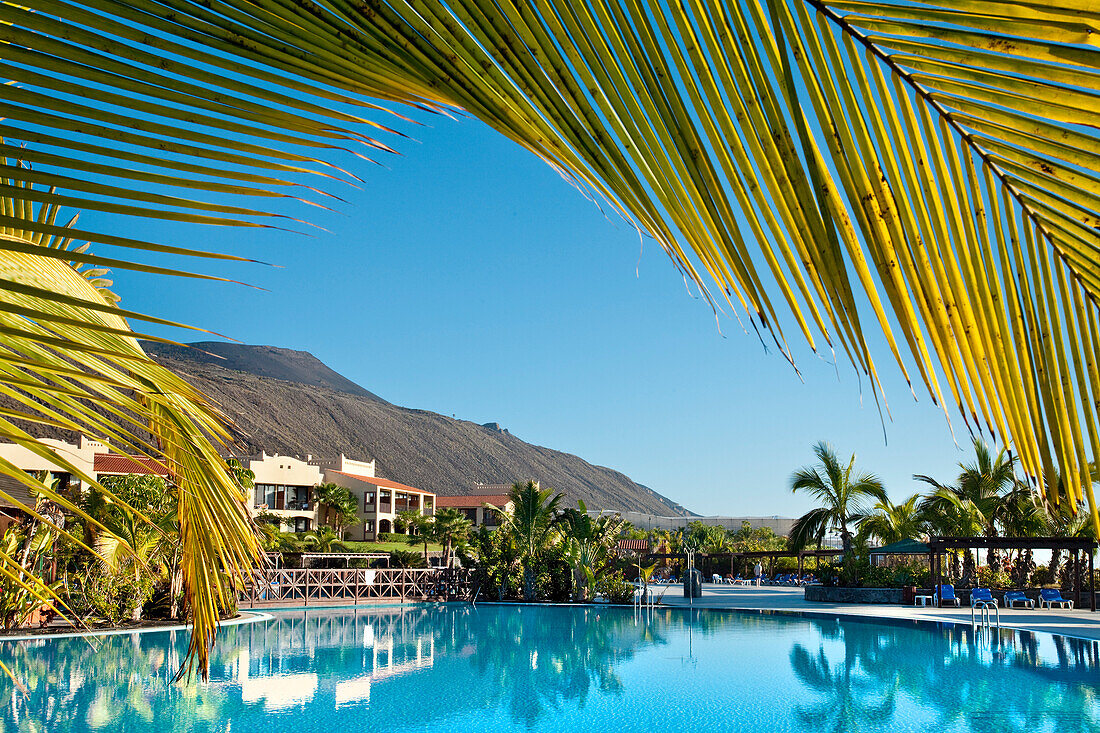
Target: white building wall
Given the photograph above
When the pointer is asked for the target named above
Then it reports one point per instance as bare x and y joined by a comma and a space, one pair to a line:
780, 525
81, 455
285, 471
359, 468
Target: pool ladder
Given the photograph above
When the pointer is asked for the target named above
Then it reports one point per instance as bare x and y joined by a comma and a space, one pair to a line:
986, 619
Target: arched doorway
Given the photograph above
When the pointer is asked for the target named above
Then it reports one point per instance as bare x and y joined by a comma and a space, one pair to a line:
384, 526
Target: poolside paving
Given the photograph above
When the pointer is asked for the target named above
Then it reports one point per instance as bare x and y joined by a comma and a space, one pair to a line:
1082, 623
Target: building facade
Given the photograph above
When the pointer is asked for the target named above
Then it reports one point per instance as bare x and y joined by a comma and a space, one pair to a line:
284, 487
380, 500
473, 507
780, 525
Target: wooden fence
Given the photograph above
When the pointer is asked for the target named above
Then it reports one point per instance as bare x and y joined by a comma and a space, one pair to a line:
340, 587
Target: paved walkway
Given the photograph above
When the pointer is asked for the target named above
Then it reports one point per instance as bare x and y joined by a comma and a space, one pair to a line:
1084, 623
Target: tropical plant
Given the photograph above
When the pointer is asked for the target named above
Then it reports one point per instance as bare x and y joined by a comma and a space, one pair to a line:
18, 598
341, 508
531, 521
985, 493
323, 539
420, 529
941, 155
615, 588
842, 497
589, 541
449, 527
405, 559
888, 522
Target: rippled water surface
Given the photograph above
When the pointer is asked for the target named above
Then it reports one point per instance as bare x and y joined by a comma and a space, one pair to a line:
456, 668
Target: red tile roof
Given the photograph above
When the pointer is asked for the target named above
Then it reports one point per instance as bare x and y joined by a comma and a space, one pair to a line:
117, 463
469, 502
634, 545
383, 482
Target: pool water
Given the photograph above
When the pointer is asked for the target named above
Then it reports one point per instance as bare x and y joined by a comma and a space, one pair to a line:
536, 668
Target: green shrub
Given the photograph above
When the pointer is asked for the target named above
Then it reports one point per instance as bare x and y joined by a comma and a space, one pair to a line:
615, 589
914, 574
993, 578
392, 537
554, 582
877, 576
406, 559
112, 596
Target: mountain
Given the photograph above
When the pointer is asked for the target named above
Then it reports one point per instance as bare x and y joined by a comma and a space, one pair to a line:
289, 402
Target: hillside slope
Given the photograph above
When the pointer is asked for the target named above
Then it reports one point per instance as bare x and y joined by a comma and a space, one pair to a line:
288, 402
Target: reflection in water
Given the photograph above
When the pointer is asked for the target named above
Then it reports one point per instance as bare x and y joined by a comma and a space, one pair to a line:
980, 680
451, 667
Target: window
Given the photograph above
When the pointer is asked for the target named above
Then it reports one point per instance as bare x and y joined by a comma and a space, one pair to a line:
368, 526
301, 524
368, 499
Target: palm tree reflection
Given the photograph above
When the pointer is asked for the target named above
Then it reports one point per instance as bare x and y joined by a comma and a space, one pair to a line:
410, 668
958, 678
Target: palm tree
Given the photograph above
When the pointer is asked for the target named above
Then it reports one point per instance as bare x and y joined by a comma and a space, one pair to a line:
531, 520
324, 539
419, 527
984, 493
589, 541
889, 522
340, 502
841, 495
450, 527
806, 155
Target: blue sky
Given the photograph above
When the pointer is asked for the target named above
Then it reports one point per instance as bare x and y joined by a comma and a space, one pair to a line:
468, 278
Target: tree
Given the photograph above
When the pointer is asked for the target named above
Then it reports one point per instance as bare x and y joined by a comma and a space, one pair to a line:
340, 502
982, 495
449, 527
531, 520
841, 495
323, 539
589, 542
772, 142
420, 528
889, 522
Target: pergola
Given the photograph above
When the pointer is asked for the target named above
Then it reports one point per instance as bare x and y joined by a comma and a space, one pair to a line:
902, 547
309, 557
937, 546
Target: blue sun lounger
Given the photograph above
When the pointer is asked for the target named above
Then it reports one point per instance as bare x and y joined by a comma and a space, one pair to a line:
945, 594
981, 595
1012, 597
1052, 596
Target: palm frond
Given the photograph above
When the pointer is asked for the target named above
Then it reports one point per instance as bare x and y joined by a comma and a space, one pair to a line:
925, 166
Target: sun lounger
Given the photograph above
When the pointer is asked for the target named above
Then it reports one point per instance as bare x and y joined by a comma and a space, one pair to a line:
1012, 597
981, 595
945, 594
1051, 596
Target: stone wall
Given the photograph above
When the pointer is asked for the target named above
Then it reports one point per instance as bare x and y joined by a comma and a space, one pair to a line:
826, 594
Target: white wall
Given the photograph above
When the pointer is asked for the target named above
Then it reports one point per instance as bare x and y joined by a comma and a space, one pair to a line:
284, 470
780, 525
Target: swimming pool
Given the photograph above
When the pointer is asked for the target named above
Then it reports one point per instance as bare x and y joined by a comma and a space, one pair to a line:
498, 668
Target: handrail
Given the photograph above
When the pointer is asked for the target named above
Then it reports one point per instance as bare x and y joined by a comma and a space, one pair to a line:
986, 619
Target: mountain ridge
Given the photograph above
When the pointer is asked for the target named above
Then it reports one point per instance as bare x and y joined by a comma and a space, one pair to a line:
289, 402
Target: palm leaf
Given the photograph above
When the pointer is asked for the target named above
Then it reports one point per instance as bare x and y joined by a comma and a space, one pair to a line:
815, 164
